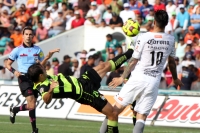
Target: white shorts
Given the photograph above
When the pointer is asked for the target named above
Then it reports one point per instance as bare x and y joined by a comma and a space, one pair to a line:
144, 93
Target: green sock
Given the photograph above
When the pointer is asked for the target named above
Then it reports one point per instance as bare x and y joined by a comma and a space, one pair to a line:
120, 59
112, 127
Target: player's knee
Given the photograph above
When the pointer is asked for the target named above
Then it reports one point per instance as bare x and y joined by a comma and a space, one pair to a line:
31, 105
113, 116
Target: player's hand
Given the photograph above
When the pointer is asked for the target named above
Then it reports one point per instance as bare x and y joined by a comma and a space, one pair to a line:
116, 82
177, 82
52, 52
17, 74
53, 85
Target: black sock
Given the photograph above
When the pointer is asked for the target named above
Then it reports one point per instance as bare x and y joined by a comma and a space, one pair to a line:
134, 120
120, 59
32, 118
20, 108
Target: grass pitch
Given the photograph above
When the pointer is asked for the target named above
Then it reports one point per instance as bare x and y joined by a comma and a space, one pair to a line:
22, 125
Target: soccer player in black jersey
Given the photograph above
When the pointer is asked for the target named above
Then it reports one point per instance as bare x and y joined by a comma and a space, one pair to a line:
84, 89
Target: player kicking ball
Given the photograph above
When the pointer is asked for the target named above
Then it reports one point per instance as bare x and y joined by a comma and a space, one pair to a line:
152, 49
84, 89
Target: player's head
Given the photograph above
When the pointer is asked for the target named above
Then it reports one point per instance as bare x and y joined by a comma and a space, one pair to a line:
27, 35
37, 73
160, 19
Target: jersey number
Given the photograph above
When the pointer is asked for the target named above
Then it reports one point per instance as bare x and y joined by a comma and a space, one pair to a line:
159, 57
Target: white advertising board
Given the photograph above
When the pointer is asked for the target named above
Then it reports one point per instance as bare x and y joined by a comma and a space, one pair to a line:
11, 96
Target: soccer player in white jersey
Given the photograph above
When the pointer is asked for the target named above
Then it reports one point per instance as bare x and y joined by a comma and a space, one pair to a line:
152, 49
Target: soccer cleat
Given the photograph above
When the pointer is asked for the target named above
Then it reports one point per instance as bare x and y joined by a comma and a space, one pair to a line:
12, 115
35, 131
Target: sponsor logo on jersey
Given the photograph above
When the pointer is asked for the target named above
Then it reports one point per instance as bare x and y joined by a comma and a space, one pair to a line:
157, 48
152, 73
158, 36
121, 99
152, 41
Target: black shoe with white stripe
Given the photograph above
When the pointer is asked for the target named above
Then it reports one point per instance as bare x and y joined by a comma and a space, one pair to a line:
12, 115
35, 131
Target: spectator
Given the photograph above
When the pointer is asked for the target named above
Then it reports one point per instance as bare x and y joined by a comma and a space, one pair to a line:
191, 34
84, 5
178, 66
197, 60
135, 5
5, 18
58, 25
150, 16
188, 50
54, 11
111, 43
107, 16
9, 3
64, 68
76, 69
170, 7
94, 11
158, 5
9, 47
191, 8
82, 59
90, 20
180, 50
17, 37
89, 65
115, 74
140, 20
116, 21
173, 19
196, 7
168, 76
181, 2
3, 7
127, 13
188, 61
102, 24
111, 55
4, 40
187, 78
41, 5
183, 20
117, 6
47, 21
195, 20
168, 28
195, 85
64, 10
76, 8
55, 63
49, 69
78, 21
70, 18
41, 32
20, 15
5, 74
145, 8
119, 50
35, 20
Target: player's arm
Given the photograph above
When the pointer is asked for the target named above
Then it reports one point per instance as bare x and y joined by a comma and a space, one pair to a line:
12, 57
44, 61
172, 68
47, 96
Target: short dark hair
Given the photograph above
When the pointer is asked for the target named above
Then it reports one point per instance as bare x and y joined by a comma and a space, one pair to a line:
109, 35
161, 18
34, 71
27, 28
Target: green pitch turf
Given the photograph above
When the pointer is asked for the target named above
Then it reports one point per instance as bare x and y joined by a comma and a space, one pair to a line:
22, 125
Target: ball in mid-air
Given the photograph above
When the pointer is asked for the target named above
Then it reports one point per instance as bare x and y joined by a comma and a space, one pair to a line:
131, 28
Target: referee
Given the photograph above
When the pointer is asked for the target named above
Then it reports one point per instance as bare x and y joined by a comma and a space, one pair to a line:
26, 55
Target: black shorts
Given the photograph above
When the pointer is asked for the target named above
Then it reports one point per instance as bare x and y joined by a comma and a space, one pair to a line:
90, 82
26, 86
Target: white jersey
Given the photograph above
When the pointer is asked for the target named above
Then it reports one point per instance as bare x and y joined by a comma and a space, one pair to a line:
152, 51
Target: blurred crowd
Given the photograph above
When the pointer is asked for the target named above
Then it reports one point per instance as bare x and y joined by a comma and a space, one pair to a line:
49, 18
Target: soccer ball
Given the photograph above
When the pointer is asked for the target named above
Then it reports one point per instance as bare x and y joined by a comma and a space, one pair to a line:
131, 28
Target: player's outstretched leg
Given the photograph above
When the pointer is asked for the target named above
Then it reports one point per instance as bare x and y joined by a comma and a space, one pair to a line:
113, 64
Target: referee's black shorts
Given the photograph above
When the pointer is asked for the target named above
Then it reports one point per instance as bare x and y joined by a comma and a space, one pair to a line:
26, 86
90, 82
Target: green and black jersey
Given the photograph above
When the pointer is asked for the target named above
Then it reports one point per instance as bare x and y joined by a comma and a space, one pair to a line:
69, 87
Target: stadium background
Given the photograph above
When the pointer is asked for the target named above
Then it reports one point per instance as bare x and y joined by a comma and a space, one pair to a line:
174, 107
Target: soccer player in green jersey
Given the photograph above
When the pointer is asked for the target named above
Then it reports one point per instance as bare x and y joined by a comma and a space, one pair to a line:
84, 89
